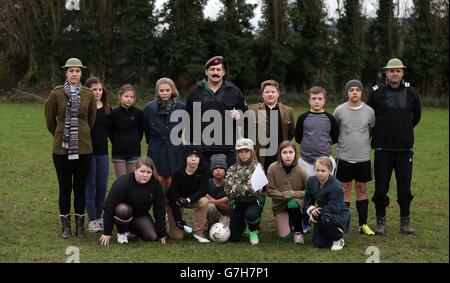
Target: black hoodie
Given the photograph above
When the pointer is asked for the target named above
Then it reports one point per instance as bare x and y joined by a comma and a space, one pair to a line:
192, 186
141, 197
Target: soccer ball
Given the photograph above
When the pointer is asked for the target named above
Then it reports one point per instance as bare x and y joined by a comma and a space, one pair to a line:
219, 233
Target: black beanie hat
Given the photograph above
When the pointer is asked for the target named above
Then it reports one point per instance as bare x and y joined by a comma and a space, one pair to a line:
192, 149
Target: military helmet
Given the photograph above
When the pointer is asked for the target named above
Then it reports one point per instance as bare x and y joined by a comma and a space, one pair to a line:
394, 63
73, 62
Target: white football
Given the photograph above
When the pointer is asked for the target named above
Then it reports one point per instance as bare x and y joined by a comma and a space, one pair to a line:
219, 233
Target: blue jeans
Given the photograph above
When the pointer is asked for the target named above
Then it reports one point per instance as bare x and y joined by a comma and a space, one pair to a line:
96, 186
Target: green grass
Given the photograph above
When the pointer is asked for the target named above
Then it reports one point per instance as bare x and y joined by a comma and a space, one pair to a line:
30, 226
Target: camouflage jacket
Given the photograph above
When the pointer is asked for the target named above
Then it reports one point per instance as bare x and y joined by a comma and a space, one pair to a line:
239, 174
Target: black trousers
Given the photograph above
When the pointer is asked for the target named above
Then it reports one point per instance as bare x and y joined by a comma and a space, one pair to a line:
242, 214
402, 163
296, 219
72, 175
326, 231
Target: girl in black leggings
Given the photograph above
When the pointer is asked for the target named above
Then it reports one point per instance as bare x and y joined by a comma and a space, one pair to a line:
128, 203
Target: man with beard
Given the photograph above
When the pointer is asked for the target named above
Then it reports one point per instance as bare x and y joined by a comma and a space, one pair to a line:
225, 99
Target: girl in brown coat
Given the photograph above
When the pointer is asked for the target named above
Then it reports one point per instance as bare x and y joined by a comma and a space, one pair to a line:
70, 112
287, 185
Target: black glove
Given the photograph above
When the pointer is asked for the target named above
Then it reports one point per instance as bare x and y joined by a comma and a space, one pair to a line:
182, 202
180, 224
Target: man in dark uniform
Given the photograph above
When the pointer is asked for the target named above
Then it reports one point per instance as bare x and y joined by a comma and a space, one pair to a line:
397, 111
225, 99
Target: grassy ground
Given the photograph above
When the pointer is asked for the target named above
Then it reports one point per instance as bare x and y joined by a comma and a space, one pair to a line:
30, 226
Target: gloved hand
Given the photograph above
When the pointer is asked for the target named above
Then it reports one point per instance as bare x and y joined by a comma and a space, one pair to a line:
180, 224
182, 202
235, 114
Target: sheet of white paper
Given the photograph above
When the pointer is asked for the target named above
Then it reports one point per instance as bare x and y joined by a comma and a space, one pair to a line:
258, 179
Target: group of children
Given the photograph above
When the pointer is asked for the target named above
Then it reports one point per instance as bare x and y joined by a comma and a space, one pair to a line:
302, 188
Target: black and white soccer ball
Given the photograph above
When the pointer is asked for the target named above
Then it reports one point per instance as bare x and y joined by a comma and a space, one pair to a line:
219, 233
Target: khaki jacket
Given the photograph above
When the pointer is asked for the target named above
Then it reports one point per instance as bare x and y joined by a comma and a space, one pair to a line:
55, 113
287, 123
282, 188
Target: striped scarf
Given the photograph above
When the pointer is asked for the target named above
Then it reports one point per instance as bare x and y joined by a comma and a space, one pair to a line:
70, 136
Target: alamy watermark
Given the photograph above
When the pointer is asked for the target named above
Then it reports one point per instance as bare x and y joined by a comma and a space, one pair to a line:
213, 128
74, 254
374, 254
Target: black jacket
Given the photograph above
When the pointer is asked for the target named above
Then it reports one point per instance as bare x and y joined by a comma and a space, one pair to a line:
127, 129
227, 97
397, 112
100, 132
141, 197
192, 186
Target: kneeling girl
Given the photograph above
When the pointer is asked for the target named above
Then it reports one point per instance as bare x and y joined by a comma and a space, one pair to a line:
128, 202
287, 185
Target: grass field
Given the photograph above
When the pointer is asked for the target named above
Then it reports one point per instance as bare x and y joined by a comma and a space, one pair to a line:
30, 226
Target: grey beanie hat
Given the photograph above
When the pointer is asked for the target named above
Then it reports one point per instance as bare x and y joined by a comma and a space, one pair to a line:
218, 161
353, 83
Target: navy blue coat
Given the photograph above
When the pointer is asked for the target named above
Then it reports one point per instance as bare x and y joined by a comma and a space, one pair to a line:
157, 128
330, 198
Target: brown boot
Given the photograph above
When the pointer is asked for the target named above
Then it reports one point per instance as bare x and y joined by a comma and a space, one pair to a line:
66, 232
79, 224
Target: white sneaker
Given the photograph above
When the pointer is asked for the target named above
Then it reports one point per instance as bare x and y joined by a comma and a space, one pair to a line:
298, 238
122, 238
93, 226
338, 245
201, 239
254, 239
100, 223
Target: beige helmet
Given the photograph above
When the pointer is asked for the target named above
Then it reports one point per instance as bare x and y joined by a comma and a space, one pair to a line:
244, 143
73, 62
394, 63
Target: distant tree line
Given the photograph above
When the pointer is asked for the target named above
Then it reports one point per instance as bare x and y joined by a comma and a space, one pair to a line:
128, 42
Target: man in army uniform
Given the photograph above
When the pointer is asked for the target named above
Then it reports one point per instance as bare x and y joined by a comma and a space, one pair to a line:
397, 111
215, 93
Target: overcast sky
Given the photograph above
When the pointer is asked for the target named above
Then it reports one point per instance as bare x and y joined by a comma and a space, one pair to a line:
369, 8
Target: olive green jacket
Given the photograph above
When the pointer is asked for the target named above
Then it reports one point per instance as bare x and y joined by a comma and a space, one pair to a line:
287, 123
55, 113
282, 188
